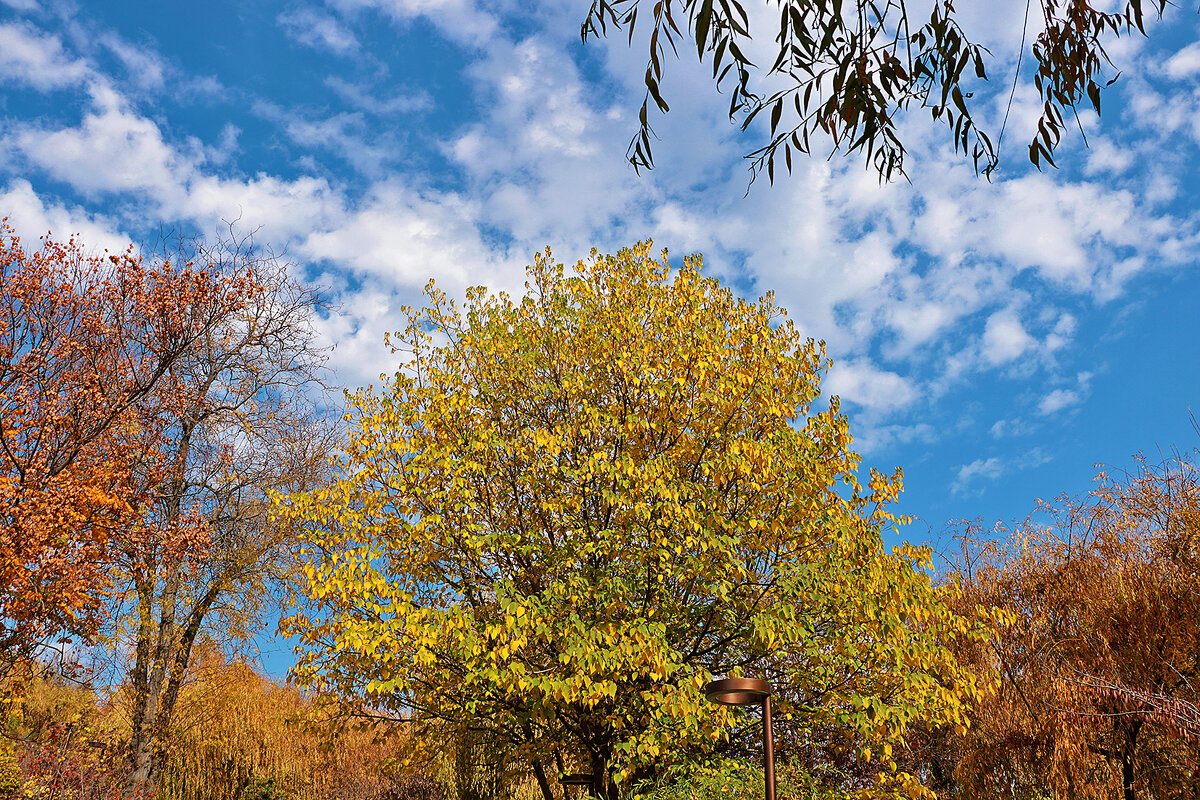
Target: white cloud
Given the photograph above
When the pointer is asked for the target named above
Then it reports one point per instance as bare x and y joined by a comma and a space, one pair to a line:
28, 56
994, 468
1061, 335
870, 438
405, 239
875, 389
32, 217
361, 98
1060, 399
537, 161
1009, 428
314, 28
1005, 338
979, 469
113, 150
345, 134
1106, 157
357, 331
287, 210
21, 5
1057, 400
144, 67
461, 21
1185, 63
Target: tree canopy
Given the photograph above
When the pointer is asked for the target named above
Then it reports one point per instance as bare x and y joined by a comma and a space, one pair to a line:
84, 340
1099, 658
566, 512
232, 420
847, 71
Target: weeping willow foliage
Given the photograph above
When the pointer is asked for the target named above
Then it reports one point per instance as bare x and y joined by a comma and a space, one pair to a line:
237, 741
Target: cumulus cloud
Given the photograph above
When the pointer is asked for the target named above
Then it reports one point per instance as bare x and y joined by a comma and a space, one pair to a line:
31, 217
112, 150
1063, 398
1005, 338
1057, 400
862, 383
1185, 63
398, 235
1066, 397
37, 59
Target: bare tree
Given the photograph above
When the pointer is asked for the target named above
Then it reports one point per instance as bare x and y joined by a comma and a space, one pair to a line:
232, 423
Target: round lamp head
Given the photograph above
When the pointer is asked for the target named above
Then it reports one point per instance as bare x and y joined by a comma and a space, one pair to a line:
576, 779
737, 691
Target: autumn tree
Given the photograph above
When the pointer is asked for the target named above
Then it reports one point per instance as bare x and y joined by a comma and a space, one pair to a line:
235, 737
1100, 657
567, 512
230, 421
84, 339
845, 73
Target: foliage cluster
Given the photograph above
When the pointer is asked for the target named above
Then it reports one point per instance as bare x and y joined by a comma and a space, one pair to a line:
568, 512
58, 742
845, 72
83, 341
147, 409
560, 518
238, 737
1099, 660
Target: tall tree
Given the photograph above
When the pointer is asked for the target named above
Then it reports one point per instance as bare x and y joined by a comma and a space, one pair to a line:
847, 71
1100, 657
567, 512
84, 339
230, 422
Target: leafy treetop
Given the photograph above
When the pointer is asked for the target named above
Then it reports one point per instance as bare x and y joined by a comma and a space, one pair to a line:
569, 511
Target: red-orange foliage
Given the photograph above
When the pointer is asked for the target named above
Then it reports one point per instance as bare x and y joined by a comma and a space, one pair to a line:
1100, 662
83, 340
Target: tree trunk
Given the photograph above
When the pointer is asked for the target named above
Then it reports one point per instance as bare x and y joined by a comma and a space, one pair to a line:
148, 734
141, 742
1129, 759
183, 655
602, 786
146, 766
539, 772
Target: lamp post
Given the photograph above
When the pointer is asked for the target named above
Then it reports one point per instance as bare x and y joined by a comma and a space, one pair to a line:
745, 692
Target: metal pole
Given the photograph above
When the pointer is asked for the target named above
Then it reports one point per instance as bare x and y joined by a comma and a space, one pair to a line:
745, 692
768, 749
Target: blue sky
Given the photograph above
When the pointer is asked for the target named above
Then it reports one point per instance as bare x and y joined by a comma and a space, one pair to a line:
996, 340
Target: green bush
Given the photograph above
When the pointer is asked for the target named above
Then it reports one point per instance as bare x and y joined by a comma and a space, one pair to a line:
733, 779
717, 779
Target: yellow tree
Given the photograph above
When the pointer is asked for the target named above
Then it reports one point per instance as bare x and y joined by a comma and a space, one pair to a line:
567, 512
